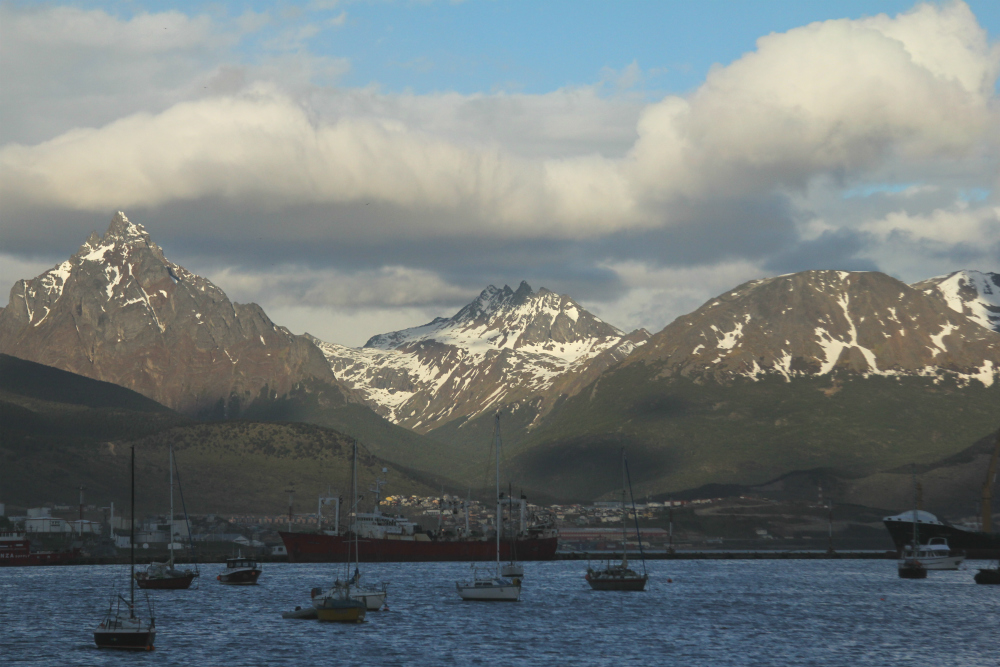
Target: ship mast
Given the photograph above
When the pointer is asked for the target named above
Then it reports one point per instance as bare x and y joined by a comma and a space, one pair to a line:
171, 522
624, 516
499, 520
987, 498
131, 541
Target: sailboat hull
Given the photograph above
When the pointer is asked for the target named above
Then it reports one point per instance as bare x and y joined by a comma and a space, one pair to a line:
136, 640
342, 611
488, 593
164, 583
617, 583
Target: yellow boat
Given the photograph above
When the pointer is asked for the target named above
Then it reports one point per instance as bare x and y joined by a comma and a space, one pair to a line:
341, 609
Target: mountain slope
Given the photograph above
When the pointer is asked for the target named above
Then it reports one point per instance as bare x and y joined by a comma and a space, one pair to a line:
505, 347
852, 371
59, 430
810, 323
119, 311
972, 293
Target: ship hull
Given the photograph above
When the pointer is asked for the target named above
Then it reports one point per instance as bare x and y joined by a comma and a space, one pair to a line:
976, 545
133, 640
164, 583
319, 548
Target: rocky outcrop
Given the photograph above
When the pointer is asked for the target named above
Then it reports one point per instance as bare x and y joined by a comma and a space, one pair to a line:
119, 311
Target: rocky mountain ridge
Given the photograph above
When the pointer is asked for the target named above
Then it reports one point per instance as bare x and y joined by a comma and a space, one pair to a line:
975, 294
119, 311
815, 322
504, 347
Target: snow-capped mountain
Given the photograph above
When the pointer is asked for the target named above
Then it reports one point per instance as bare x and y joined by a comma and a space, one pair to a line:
972, 293
119, 311
814, 322
504, 347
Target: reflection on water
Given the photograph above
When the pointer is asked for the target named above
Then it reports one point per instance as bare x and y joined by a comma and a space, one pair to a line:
714, 613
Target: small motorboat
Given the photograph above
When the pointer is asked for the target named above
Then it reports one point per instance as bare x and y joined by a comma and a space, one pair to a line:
240, 572
935, 555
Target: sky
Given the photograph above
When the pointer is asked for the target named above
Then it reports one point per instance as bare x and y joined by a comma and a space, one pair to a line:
361, 167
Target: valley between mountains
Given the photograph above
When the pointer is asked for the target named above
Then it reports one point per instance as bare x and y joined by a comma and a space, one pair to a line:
832, 375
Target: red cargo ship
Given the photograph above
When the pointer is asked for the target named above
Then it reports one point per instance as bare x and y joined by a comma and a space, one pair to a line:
383, 538
15, 549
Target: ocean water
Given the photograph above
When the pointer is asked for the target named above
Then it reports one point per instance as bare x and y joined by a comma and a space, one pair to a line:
711, 613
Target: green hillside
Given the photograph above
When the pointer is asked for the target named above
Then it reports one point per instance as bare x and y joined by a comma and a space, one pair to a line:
59, 431
683, 434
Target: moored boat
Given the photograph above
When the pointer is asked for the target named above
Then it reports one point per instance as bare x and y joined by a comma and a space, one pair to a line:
935, 555
620, 577
988, 575
240, 571
339, 607
15, 549
164, 576
484, 586
122, 627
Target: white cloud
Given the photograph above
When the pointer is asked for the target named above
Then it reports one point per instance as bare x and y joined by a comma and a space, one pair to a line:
834, 97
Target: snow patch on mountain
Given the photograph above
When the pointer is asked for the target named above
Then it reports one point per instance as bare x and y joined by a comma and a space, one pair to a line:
975, 294
504, 346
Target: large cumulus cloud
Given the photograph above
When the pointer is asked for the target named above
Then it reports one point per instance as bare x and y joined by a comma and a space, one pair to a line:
747, 174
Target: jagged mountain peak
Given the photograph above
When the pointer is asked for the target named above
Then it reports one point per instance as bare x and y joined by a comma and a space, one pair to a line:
119, 311
499, 319
505, 346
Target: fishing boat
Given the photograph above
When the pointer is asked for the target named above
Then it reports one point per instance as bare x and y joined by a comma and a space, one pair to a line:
487, 586
164, 576
372, 596
620, 577
240, 571
122, 627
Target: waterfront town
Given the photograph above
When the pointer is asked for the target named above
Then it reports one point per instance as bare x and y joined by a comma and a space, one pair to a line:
698, 524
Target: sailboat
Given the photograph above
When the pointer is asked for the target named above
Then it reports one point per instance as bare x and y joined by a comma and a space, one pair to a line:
512, 568
122, 627
620, 577
910, 566
348, 601
164, 576
485, 586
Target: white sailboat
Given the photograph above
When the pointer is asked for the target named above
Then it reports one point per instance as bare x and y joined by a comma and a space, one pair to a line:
485, 585
371, 595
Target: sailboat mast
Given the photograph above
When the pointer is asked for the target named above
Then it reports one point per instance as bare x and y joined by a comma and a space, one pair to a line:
624, 522
171, 522
131, 541
354, 490
496, 435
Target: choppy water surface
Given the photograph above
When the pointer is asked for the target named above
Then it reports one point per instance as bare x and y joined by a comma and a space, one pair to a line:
714, 613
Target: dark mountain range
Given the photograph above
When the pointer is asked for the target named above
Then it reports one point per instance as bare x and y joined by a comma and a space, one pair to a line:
59, 430
855, 372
